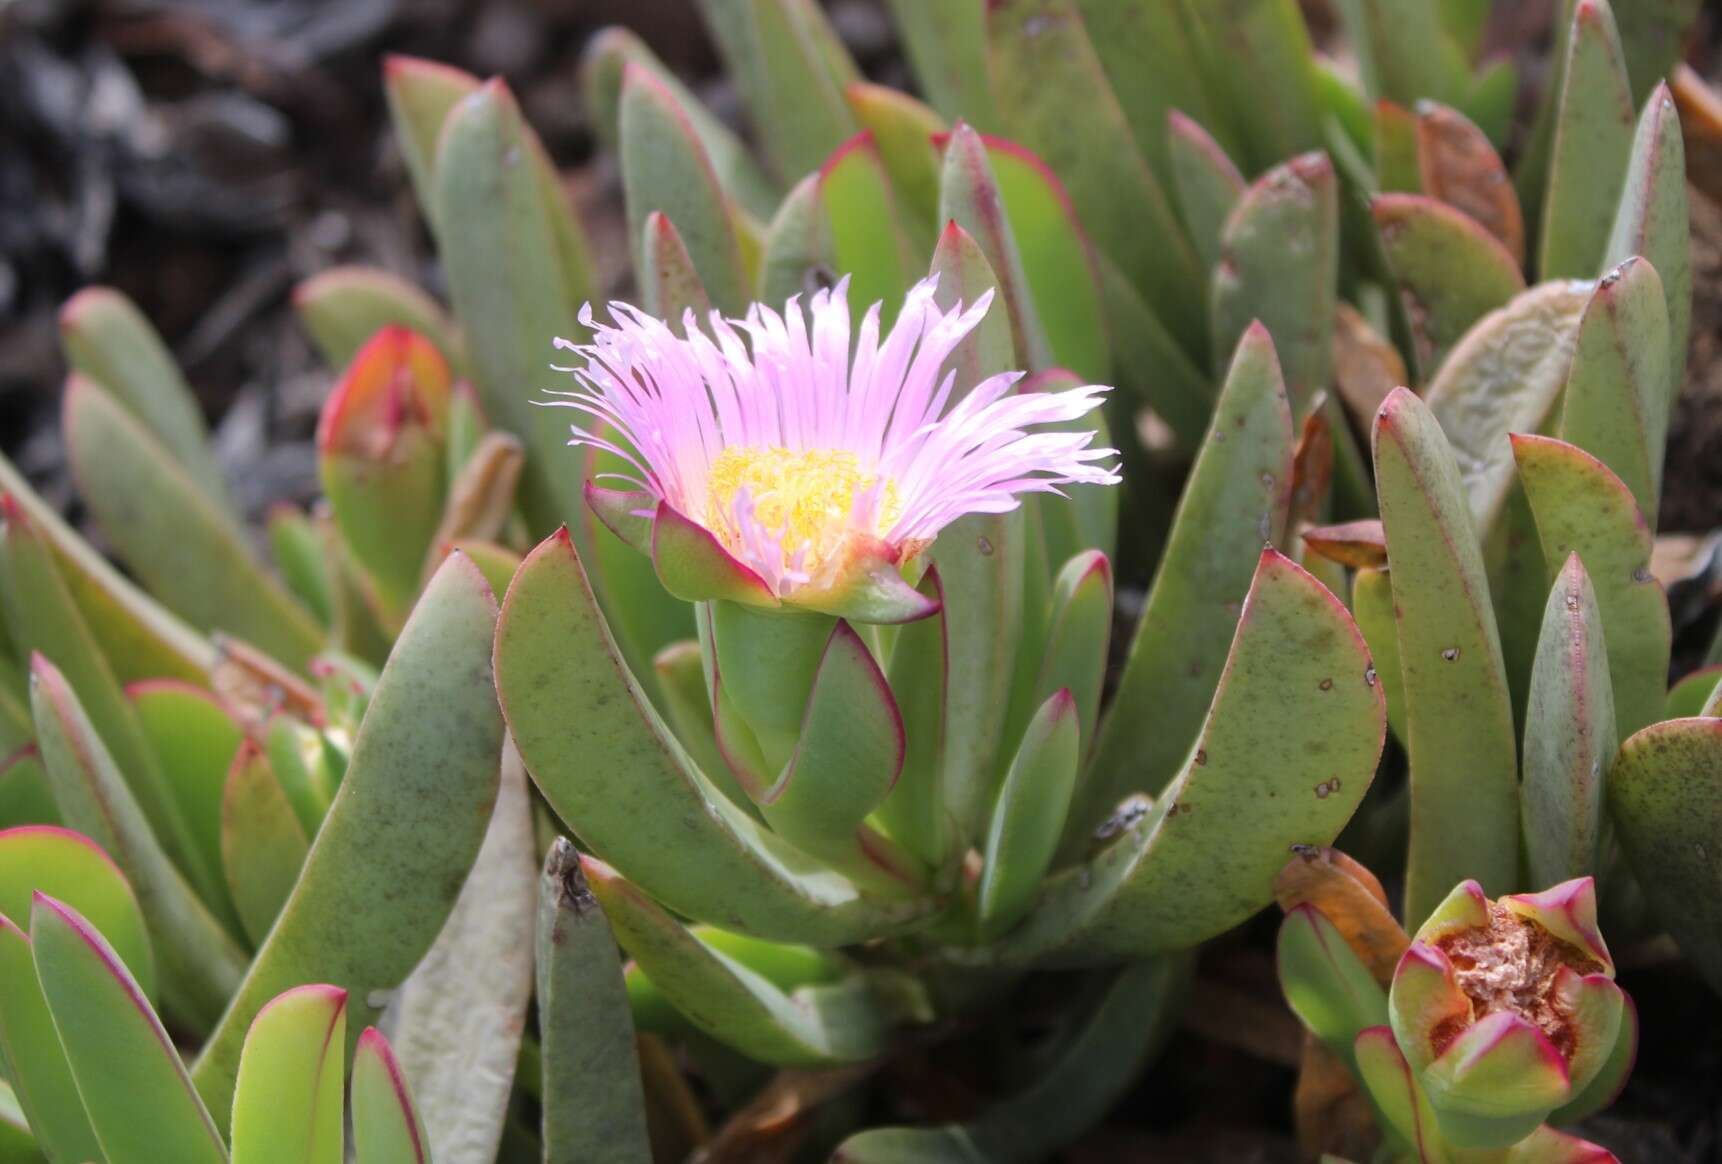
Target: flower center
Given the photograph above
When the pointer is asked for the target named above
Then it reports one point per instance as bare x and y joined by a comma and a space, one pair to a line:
803, 499
1511, 964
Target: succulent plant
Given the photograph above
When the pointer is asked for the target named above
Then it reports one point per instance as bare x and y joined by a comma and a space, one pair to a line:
1498, 1015
823, 689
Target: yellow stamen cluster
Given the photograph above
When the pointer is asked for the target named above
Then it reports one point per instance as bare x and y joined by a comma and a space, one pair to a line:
804, 498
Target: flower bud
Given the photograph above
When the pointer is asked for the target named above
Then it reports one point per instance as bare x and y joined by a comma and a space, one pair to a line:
1506, 1009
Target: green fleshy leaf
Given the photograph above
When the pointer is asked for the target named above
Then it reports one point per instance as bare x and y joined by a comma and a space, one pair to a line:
35, 1064
25, 797
1153, 60
1665, 798
188, 550
847, 754
1402, 1110
1235, 501
1592, 137
108, 340
1451, 272
621, 781
1029, 813
263, 843
511, 287
1054, 98
1464, 785
1079, 633
1693, 693
198, 960
298, 755
1404, 52
296, 547
947, 49
343, 307
43, 620
914, 814
1289, 290
664, 168
457, 1019
1569, 734
1653, 221
1157, 885
139, 1099
970, 198
1325, 983
1505, 376
1581, 507
287, 1105
1057, 262
421, 94
194, 739
1613, 407
584, 1018
1207, 183
669, 285
818, 1025
1396, 166
903, 130
69, 867
687, 703
1149, 363
1259, 57
405, 825
609, 54
1372, 607
1653, 33
386, 1125
791, 69
868, 242
1123, 1032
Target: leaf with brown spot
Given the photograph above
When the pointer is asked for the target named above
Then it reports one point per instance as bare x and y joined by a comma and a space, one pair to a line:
1459, 166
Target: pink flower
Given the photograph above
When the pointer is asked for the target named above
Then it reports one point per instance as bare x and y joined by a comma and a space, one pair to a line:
812, 457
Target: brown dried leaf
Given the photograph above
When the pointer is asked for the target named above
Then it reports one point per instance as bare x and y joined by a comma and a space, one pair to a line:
1358, 544
481, 498
772, 1127
1700, 108
1331, 1112
255, 687
1312, 465
1365, 366
1351, 898
1461, 168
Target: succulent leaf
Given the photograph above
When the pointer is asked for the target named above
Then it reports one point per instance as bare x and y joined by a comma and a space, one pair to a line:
458, 1017
199, 961
629, 791
1451, 272
1593, 132
1206, 181
1054, 99
1665, 798
140, 1101
947, 48
1155, 886
1583, 508
405, 825
1505, 376
665, 169
1464, 786
108, 340
36, 1069
1029, 814
43, 619
189, 550
263, 844
1235, 501
343, 307
1569, 733
1325, 983
25, 798
583, 1019
386, 1124
818, 1025
287, 1104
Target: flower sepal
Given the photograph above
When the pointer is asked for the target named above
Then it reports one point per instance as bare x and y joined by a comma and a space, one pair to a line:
867, 585
694, 566
627, 513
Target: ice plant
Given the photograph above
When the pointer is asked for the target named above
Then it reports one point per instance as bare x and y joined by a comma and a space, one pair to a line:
1507, 1010
788, 471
